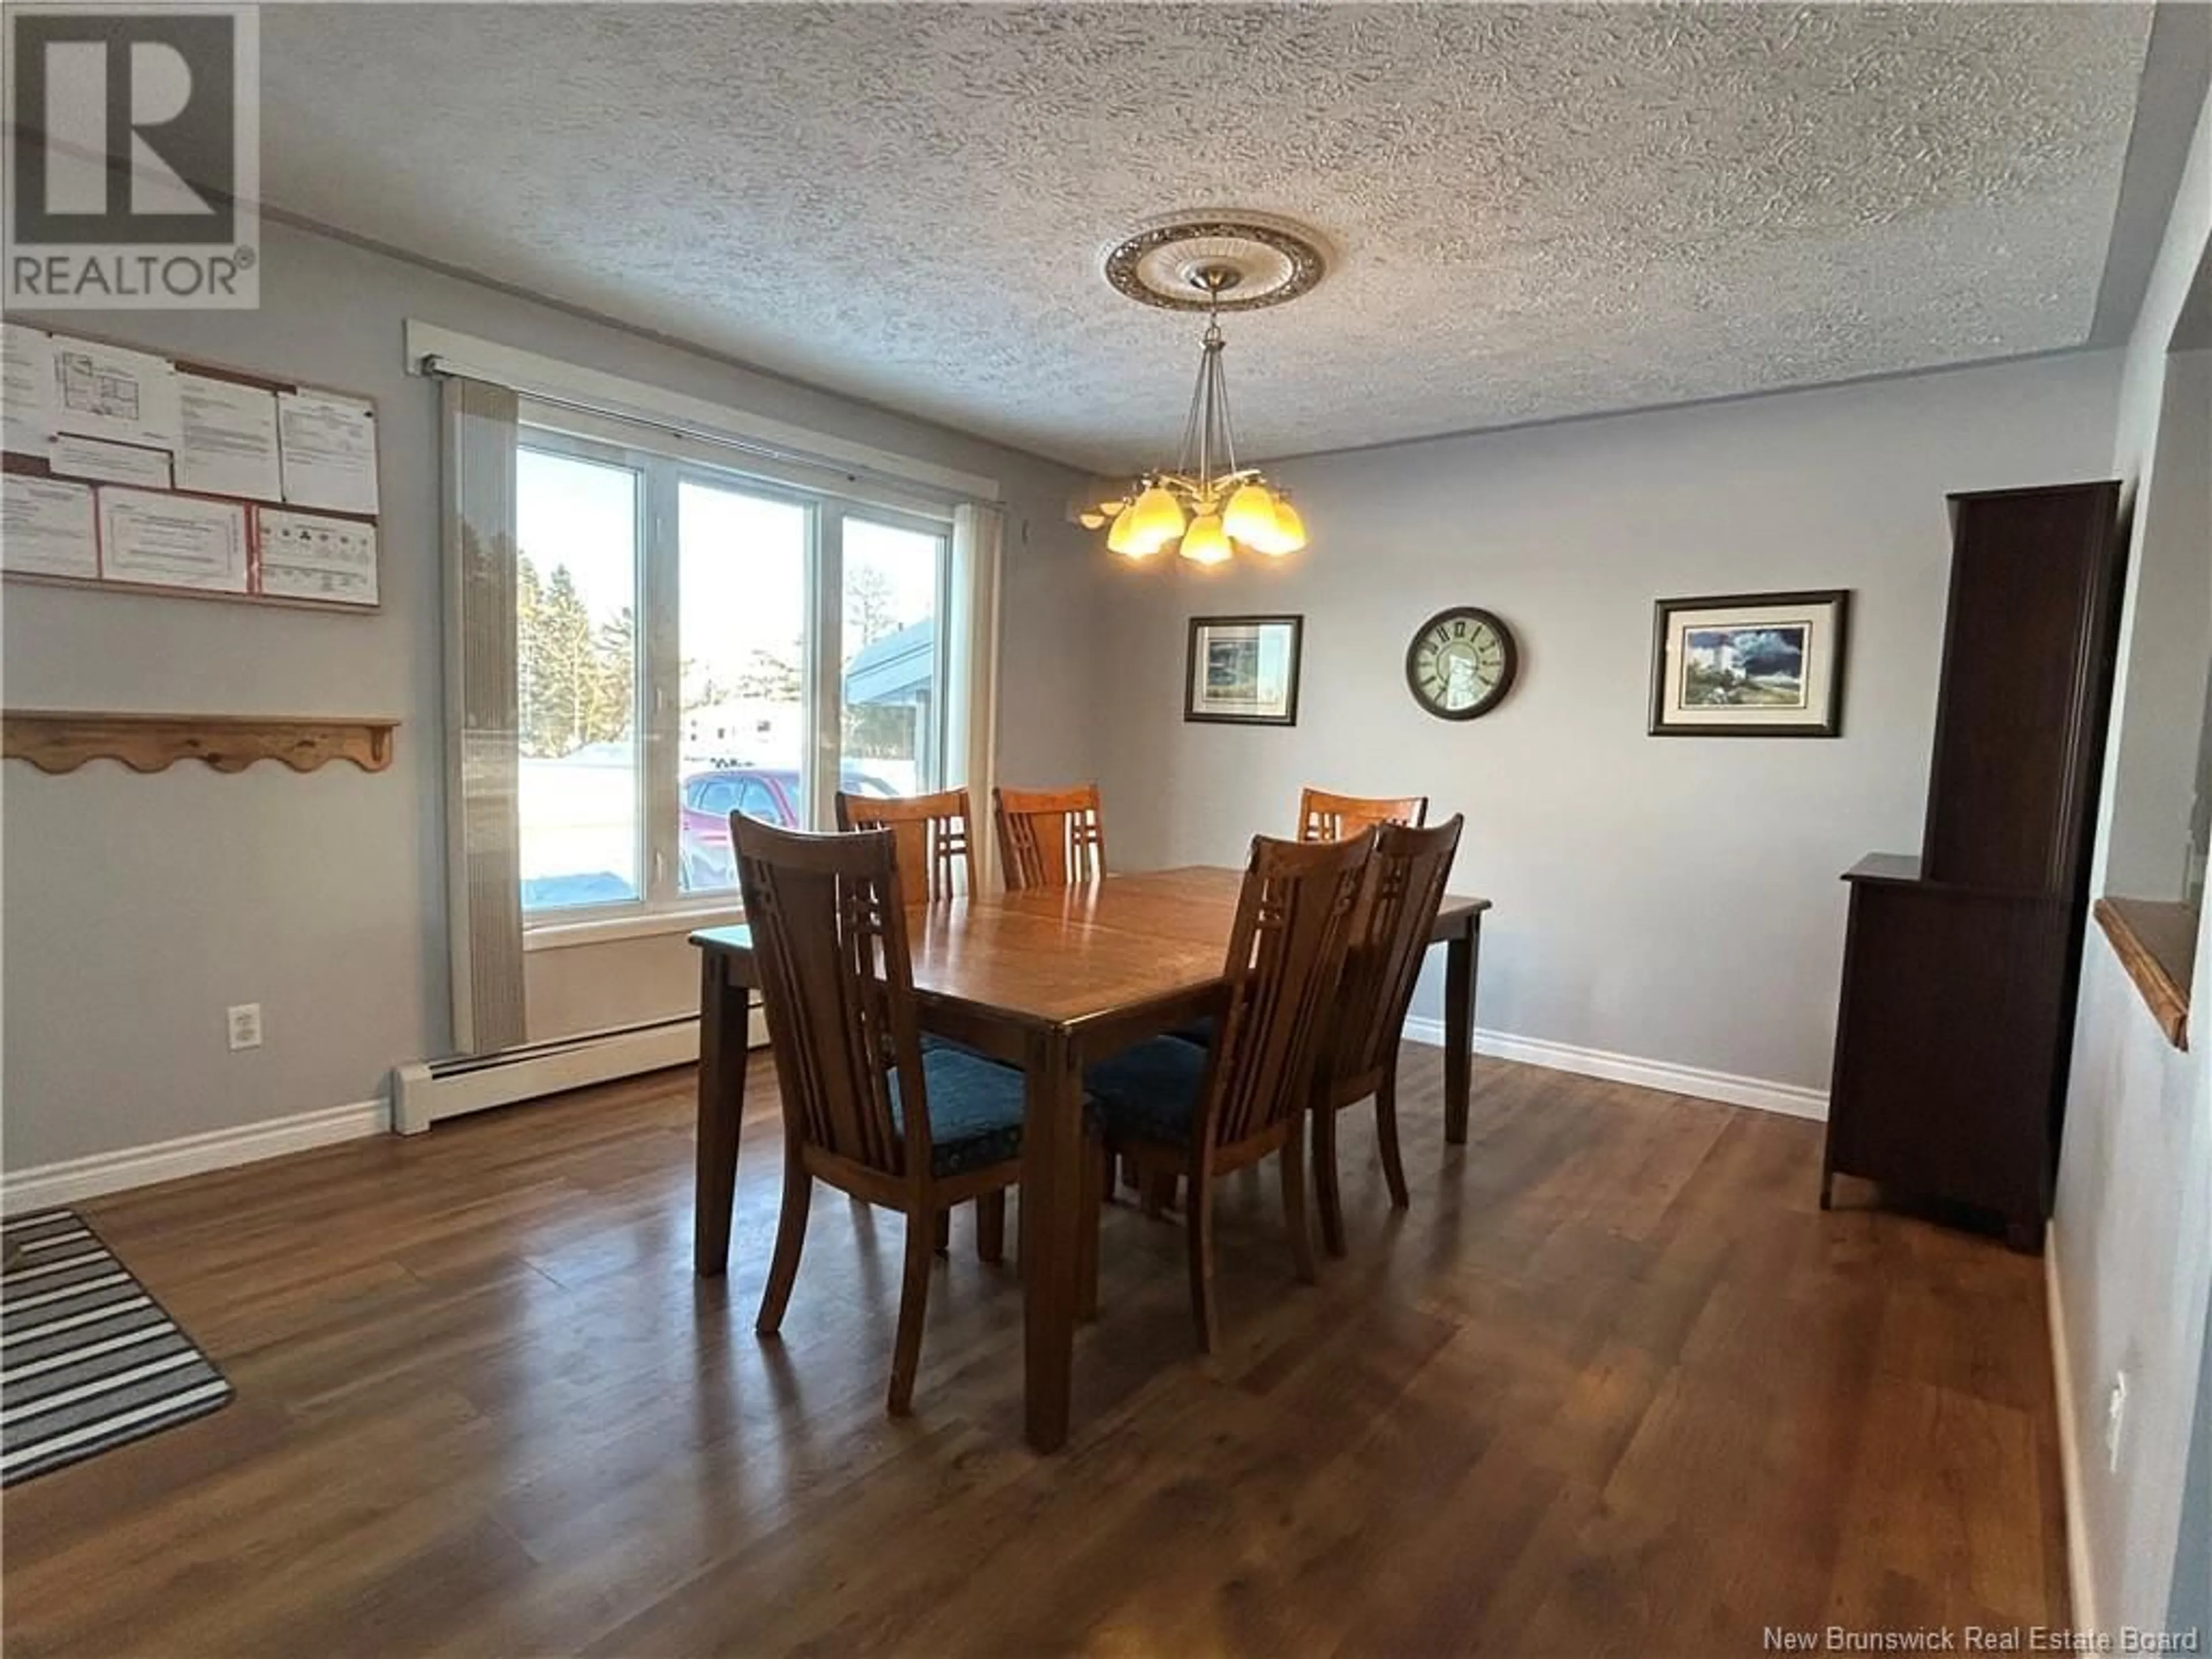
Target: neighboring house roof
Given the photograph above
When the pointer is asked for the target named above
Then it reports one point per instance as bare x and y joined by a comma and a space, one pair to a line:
894, 668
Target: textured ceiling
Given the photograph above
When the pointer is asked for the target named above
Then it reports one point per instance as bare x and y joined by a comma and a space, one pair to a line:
1534, 212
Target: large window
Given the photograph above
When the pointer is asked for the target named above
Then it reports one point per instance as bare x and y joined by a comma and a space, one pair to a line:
694, 641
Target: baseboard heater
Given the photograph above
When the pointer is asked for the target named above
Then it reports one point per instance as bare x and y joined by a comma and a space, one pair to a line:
427, 1092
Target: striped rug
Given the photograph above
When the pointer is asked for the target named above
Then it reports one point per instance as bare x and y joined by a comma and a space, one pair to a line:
87, 1359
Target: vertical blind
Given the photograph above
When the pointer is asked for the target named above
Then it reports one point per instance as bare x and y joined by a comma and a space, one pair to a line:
483, 816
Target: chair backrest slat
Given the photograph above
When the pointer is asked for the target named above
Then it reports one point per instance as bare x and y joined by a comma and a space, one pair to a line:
1050, 837
829, 928
1286, 951
1325, 817
934, 836
1405, 888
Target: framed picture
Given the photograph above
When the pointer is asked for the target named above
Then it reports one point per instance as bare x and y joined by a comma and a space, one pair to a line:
1244, 670
1749, 665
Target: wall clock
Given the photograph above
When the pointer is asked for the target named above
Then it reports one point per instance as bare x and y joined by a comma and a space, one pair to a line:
1461, 663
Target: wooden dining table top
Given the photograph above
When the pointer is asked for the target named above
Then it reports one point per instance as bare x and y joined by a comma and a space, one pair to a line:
1058, 956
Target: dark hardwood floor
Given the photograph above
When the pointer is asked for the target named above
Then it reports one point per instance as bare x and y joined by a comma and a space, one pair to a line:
1612, 1386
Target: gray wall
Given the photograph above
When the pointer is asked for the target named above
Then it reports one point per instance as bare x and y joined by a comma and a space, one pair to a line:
2133, 1228
2169, 633
137, 907
1671, 899
2191, 1607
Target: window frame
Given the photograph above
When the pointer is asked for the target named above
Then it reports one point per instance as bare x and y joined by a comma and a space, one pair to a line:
665, 462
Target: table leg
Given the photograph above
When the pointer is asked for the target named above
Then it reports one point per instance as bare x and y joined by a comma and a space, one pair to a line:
1463, 955
723, 1010
1053, 1149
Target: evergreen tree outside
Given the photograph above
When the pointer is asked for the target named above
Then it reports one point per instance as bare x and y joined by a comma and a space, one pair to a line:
771, 676
576, 684
529, 622
614, 683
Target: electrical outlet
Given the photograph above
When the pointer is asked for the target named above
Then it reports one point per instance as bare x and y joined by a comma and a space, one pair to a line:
246, 1025
2116, 1412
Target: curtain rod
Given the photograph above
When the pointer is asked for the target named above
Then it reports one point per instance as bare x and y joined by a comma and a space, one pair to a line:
438, 365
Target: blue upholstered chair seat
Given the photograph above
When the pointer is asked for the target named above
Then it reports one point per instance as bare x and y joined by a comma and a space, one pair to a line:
1148, 1092
975, 1110
1200, 1031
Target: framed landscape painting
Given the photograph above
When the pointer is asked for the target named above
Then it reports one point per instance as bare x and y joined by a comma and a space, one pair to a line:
1244, 671
1749, 665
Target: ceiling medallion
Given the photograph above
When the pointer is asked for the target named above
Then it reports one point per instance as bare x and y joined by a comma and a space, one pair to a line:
1207, 506
1274, 261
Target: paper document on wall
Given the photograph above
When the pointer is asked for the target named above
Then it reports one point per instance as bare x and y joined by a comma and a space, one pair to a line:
26, 389
328, 445
104, 392
172, 541
46, 527
307, 557
228, 441
90, 458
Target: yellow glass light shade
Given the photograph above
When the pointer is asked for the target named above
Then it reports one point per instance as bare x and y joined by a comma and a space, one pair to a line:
1205, 542
1094, 504
1269, 539
1250, 516
1290, 529
1124, 539
1156, 518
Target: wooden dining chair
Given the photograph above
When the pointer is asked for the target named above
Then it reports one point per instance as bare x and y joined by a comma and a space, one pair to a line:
934, 836
935, 839
1324, 817
1050, 837
1397, 912
865, 1108
1181, 1110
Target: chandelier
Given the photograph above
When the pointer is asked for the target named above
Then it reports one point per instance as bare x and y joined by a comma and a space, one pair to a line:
1207, 505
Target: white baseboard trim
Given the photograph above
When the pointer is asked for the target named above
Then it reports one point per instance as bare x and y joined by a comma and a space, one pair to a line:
2081, 1584
1788, 1099
76, 1178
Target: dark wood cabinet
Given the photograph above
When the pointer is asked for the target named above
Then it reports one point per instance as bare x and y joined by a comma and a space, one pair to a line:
1957, 1012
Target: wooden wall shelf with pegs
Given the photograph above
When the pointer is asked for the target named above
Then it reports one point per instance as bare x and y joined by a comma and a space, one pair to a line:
61, 740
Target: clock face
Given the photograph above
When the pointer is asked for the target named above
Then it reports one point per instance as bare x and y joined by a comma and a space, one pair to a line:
1461, 663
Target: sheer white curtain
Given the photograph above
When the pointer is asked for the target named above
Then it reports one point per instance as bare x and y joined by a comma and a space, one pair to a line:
973, 671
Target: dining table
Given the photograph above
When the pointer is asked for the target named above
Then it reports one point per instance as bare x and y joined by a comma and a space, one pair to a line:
1049, 979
